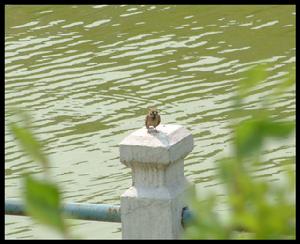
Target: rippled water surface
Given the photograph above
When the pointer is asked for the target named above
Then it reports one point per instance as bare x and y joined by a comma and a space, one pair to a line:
86, 75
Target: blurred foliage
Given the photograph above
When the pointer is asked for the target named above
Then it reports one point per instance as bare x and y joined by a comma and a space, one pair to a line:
29, 144
257, 208
42, 197
43, 202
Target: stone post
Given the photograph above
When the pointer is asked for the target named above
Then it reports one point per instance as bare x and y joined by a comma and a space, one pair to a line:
152, 207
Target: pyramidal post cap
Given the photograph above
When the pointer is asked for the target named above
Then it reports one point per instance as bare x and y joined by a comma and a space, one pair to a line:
166, 145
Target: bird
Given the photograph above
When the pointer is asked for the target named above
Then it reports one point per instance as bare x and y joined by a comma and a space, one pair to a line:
152, 118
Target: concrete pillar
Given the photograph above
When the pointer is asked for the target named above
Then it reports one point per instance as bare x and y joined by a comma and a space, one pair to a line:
152, 207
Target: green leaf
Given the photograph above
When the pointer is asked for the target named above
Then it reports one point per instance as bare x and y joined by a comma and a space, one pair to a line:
250, 134
42, 202
29, 143
278, 129
248, 138
254, 76
22, 114
289, 81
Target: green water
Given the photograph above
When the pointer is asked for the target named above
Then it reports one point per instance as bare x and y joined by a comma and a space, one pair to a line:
86, 75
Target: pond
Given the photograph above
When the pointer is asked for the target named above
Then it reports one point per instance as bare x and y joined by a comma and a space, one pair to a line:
87, 73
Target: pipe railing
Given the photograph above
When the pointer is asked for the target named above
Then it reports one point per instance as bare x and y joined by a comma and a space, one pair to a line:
85, 211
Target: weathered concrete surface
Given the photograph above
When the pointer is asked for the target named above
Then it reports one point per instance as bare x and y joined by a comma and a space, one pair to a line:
170, 143
152, 207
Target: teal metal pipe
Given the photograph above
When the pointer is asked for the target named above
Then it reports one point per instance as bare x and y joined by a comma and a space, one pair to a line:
14, 207
97, 212
187, 217
84, 211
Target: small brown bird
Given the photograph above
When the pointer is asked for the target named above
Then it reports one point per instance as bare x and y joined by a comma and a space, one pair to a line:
152, 118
